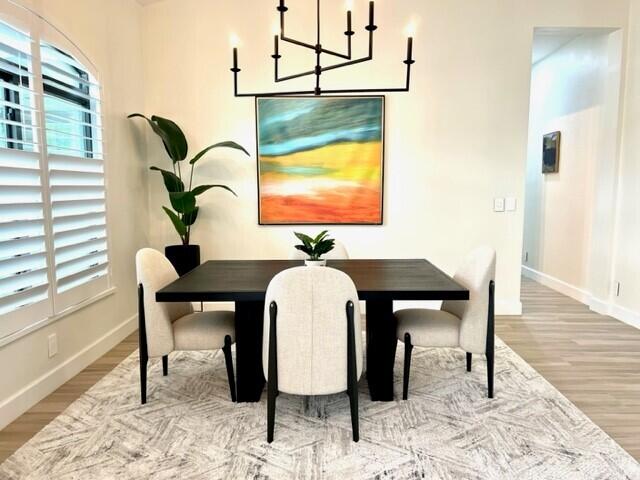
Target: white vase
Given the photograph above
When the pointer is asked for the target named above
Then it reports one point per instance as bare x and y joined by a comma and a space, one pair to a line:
315, 263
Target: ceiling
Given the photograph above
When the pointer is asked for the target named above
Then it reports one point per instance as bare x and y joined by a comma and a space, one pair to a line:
549, 40
545, 45
148, 2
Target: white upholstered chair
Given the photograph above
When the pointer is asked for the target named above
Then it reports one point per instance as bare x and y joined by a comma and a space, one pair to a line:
312, 343
467, 324
166, 327
339, 252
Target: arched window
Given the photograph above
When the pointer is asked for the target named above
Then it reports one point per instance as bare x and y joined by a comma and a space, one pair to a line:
53, 235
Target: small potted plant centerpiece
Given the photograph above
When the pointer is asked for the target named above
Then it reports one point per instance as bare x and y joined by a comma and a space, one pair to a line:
182, 193
315, 248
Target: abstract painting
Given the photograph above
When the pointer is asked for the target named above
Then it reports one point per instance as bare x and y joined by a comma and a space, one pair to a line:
320, 160
550, 152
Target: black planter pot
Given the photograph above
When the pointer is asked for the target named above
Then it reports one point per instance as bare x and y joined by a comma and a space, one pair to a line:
184, 258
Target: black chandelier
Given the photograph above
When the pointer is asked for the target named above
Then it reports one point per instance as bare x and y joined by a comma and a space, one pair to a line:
319, 50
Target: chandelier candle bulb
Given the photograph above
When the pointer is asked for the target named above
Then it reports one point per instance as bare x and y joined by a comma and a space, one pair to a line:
275, 45
371, 13
409, 49
348, 20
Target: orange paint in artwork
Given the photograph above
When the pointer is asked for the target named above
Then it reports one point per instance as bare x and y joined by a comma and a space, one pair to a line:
363, 205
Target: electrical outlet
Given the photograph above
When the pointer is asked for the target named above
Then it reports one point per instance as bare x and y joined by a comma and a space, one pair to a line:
498, 204
53, 345
510, 204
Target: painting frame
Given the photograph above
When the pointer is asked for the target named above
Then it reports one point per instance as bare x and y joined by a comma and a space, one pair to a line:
554, 165
382, 98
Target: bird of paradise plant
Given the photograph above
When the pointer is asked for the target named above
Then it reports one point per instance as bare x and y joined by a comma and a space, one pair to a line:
183, 198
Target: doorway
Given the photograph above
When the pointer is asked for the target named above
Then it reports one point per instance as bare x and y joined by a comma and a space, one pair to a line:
570, 197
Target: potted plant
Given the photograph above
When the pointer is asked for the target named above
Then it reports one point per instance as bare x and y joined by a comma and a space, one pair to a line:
315, 247
183, 197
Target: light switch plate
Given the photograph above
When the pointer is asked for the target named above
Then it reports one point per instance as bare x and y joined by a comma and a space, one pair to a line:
498, 204
53, 345
510, 204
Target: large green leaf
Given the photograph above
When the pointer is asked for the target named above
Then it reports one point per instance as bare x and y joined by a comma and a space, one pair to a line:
190, 218
183, 202
320, 236
177, 145
172, 137
203, 188
324, 246
177, 223
171, 181
305, 239
228, 144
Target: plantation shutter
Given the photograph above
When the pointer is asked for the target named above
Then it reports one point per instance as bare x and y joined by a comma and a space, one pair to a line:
73, 128
24, 280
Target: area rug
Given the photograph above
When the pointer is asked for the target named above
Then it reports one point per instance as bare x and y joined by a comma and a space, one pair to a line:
448, 429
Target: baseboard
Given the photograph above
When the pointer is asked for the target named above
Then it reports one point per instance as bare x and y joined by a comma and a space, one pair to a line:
598, 305
23, 400
625, 315
556, 284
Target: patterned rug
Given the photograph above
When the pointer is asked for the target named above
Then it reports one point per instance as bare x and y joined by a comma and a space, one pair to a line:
189, 429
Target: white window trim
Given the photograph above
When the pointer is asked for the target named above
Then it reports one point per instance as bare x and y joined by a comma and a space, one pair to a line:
36, 37
12, 337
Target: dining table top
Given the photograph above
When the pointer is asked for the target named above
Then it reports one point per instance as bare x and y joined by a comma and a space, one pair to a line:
379, 279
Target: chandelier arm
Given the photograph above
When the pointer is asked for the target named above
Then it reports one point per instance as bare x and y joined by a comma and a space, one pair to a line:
330, 67
300, 43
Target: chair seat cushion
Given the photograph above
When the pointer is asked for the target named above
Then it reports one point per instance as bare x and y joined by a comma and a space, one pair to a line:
429, 328
203, 330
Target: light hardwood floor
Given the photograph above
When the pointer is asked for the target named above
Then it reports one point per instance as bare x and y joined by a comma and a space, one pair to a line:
592, 359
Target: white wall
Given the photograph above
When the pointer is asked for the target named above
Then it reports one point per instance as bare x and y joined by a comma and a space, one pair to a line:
109, 33
455, 142
627, 247
567, 95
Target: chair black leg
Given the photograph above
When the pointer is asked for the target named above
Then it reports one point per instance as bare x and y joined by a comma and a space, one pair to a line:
408, 348
352, 372
165, 365
143, 379
142, 344
272, 373
490, 349
469, 357
228, 360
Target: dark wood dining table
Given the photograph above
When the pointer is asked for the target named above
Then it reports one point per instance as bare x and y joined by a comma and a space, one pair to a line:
379, 283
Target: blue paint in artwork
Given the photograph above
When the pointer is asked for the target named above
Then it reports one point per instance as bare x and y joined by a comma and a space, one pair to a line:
289, 125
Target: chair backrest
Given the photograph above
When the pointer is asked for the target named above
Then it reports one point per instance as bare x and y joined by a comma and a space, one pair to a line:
339, 252
476, 272
154, 271
311, 330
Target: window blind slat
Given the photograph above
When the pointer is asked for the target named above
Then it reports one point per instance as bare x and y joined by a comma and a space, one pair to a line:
49, 69
10, 303
22, 283
80, 235
75, 91
22, 265
82, 277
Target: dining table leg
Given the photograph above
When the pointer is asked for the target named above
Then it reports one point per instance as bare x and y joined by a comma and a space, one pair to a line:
249, 375
381, 349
